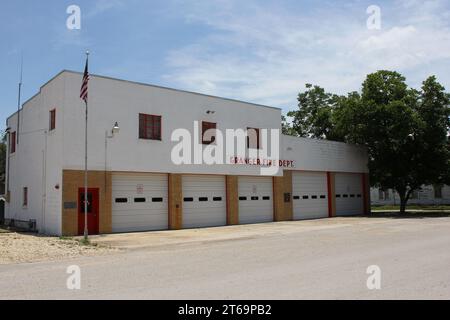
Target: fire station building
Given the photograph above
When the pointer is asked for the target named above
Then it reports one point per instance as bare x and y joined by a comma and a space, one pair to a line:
135, 184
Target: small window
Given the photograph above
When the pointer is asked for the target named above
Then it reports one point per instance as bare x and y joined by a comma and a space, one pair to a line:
242, 198
253, 138
338, 196
208, 132
203, 199
296, 198
352, 196
149, 127
255, 198
52, 120
359, 196
188, 199
25, 197
217, 199
157, 199
323, 197
121, 200
305, 197
313, 197
139, 199
266, 198
345, 196
12, 142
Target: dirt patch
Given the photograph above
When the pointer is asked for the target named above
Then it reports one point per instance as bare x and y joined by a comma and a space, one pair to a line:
22, 248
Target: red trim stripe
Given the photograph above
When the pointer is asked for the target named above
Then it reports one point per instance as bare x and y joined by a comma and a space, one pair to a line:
330, 193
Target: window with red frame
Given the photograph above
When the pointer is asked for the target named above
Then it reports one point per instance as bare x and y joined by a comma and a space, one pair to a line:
149, 127
211, 136
253, 138
12, 142
25, 197
52, 119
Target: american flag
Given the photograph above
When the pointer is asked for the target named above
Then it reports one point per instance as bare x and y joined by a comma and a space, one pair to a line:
84, 85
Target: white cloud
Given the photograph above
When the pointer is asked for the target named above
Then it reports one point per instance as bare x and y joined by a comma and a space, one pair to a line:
101, 6
405, 47
266, 55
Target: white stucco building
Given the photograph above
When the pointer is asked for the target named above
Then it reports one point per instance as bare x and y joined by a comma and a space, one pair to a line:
134, 182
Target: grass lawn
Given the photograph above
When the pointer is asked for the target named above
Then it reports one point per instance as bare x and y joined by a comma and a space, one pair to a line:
413, 207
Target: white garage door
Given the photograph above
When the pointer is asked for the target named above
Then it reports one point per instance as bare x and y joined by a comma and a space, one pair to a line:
349, 194
139, 202
310, 195
204, 201
255, 199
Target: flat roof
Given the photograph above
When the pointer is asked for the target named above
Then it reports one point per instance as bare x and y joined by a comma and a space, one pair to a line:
142, 84
172, 89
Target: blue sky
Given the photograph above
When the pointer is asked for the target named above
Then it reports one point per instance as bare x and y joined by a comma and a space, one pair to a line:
254, 50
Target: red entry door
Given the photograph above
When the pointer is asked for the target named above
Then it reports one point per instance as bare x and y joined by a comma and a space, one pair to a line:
92, 211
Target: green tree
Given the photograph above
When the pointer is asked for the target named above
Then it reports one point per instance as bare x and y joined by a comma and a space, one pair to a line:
314, 117
286, 128
404, 130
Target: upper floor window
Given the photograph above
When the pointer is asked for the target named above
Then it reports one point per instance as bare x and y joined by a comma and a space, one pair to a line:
25, 197
253, 138
12, 142
208, 132
149, 127
52, 120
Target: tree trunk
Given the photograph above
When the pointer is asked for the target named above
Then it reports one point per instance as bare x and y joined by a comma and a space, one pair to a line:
403, 201
404, 197
403, 205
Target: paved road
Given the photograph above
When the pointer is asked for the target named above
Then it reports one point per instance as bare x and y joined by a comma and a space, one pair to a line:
290, 260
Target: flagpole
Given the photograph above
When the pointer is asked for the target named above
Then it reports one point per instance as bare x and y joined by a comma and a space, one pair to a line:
19, 99
86, 231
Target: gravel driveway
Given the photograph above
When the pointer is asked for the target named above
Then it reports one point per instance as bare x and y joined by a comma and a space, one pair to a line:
20, 248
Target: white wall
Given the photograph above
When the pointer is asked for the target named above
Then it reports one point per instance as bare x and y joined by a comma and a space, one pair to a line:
322, 155
115, 100
37, 162
122, 101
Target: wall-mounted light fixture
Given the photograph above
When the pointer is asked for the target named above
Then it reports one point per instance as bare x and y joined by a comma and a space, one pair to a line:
210, 112
115, 129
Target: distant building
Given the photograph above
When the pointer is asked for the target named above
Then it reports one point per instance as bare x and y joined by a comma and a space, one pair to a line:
428, 195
